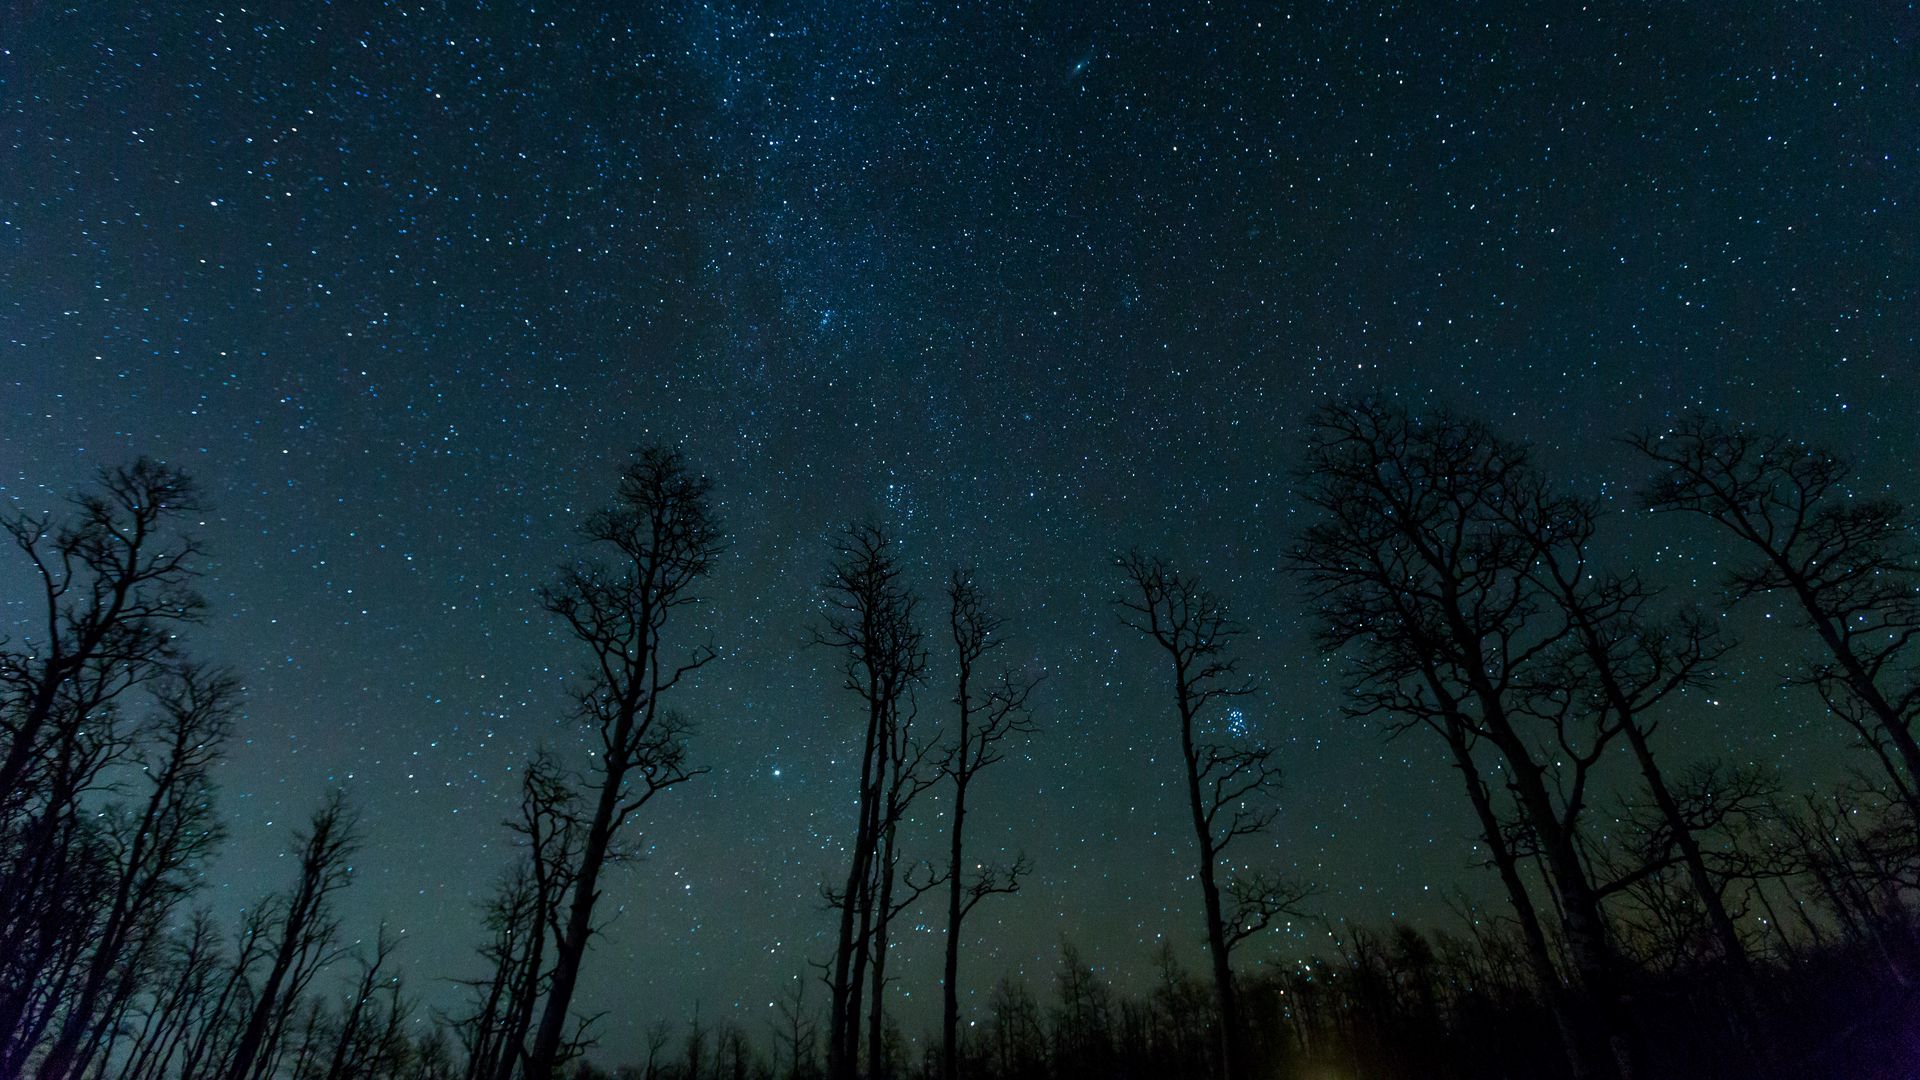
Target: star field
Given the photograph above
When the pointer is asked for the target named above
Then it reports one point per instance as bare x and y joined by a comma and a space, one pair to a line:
400, 285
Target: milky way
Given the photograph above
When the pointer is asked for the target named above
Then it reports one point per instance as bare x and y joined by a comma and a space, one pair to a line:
401, 286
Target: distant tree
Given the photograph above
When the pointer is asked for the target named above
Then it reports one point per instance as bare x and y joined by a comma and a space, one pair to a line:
1083, 1020
985, 717
433, 1057
796, 1033
1849, 563
733, 1057
1016, 1036
357, 1049
658, 1034
660, 539
303, 938
1228, 784
1183, 1009
694, 1057
870, 620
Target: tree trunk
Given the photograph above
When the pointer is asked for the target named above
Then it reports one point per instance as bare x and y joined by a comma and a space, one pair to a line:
950, 990
1217, 945
876, 1009
1579, 909
843, 1011
572, 946
1579, 1058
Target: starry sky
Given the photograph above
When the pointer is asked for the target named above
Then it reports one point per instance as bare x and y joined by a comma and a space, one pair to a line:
400, 284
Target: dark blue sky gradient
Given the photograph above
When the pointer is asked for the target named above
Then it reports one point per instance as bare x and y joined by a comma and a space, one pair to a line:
401, 284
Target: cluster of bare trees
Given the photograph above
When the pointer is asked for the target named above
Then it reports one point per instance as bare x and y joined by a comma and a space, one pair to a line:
871, 620
1465, 586
111, 731
1660, 915
643, 560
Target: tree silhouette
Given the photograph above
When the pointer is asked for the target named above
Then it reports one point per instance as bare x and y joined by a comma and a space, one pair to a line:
1621, 667
910, 772
157, 848
358, 1048
1228, 785
795, 1033
521, 917
870, 620
1415, 565
984, 718
659, 540
185, 975
1673, 899
112, 585
1849, 564
302, 942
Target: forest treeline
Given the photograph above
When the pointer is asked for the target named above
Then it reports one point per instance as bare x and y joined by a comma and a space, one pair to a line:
1661, 915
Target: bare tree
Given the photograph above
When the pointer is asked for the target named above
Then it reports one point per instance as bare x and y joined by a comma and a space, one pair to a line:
114, 587
113, 584
302, 940
796, 1031
1623, 667
185, 979
910, 772
1415, 565
870, 619
984, 719
1849, 563
157, 847
658, 1034
220, 1020
355, 1048
514, 935
1228, 784
660, 539
56, 873
522, 916
1083, 1021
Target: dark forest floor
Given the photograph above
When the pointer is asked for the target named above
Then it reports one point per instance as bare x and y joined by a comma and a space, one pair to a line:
1884, 1045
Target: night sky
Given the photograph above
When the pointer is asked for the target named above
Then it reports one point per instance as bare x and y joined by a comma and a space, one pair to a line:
402, 286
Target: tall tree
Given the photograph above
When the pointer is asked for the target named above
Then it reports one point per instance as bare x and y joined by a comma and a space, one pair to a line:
185, 980
1415, 565
112, 587
658, 540
1849, 563
356, 1045
521, 916
984, 718
870, 619
1228, 783
156, 850
1623, 666
211, 1026
910, 772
